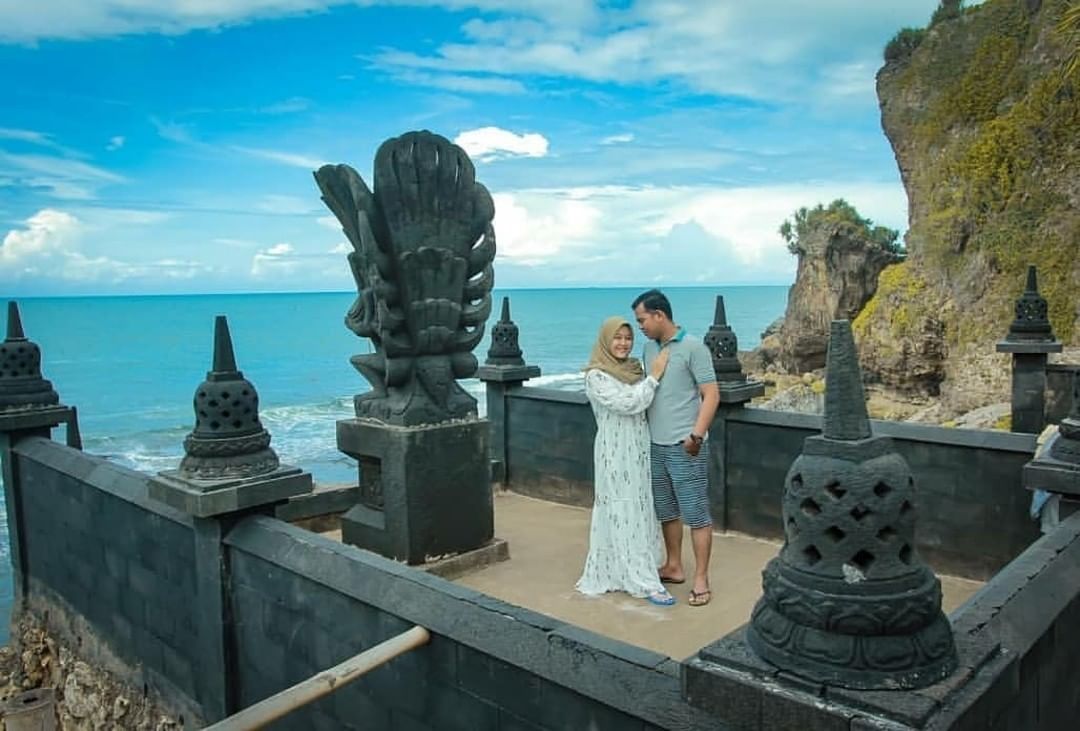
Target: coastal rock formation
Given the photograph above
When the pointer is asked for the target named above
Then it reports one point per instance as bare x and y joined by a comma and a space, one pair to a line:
87, 697
983, 120
840, 258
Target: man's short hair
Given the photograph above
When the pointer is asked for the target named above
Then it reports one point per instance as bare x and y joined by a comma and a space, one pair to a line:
654, 301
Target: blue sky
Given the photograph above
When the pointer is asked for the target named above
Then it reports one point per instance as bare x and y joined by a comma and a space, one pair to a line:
154, 146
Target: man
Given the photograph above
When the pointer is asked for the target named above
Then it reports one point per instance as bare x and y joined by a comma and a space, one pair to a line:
679, 419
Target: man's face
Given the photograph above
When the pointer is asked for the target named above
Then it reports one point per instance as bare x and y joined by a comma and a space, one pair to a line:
649, 322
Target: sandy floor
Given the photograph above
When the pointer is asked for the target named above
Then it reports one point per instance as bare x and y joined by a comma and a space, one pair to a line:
548, 543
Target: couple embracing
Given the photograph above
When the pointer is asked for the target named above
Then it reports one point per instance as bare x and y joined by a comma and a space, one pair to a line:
650, 456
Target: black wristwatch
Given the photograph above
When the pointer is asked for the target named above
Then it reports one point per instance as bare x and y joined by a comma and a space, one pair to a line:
696, 438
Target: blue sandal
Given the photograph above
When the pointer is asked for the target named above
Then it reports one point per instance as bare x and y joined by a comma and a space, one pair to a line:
662, 598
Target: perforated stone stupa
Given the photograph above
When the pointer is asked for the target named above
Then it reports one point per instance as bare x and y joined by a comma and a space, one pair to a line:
848, 601
21, 384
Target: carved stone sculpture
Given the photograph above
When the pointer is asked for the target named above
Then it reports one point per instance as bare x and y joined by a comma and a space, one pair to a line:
1031, 322
1030, 339
228, 464
723, 344
21, 384
228, 439
848, 601
423, 246
504, 350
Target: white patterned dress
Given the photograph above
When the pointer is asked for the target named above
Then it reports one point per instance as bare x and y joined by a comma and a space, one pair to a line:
625, 546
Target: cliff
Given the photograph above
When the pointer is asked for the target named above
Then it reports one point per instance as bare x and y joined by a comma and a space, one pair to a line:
840, 255
985, 126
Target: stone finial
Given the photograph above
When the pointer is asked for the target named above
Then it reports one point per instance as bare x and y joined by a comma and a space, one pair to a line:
848, 601
846, 417
504, 340
724, 346
22, 385
1031, 323
228, 440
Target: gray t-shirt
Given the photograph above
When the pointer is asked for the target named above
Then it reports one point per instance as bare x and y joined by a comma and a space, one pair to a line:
674, 408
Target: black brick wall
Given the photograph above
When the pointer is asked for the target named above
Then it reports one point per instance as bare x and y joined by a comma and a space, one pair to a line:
1033, 609
121, 561
972, 511
549, 438
302, 604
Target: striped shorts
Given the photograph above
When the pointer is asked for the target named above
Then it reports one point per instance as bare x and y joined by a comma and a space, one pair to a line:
680, 484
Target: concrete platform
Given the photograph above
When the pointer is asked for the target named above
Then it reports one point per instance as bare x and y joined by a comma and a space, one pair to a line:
548, 544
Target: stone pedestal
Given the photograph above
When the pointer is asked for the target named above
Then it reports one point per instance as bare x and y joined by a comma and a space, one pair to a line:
1030, 339
1028, 383
504, 370
425, 491
208, 498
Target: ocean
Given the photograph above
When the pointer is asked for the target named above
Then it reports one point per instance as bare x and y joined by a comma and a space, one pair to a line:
131, 364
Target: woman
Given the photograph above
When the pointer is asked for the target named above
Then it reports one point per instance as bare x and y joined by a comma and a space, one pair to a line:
624, 541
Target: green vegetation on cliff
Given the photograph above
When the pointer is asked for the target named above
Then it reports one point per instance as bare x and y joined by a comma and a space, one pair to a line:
985, 120
841, 216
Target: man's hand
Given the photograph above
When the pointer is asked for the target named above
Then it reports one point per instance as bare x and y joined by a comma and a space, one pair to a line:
692, 445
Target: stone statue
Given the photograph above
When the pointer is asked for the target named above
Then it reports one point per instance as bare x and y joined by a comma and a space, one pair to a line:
848, 601
423, 246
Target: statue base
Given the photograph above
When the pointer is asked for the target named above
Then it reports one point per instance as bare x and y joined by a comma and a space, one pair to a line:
425, 491
207, 498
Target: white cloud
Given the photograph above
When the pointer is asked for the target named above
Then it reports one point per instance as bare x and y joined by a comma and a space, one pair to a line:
277, 260
115, 143
62, 176
533, 227
292, 159
460, 82
678, 235
761, 51
49, 243
329, 222
618, 139
26, 135
341, 248
289, 205
174, 131
492, 143
47, 232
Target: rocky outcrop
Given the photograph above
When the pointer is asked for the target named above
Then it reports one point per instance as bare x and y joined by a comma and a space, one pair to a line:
839, 263
984, 127
87, 698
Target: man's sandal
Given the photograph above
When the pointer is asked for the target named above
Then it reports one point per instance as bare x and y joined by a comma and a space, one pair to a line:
700, 598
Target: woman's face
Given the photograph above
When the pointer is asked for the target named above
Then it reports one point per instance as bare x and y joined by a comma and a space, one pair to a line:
623, 342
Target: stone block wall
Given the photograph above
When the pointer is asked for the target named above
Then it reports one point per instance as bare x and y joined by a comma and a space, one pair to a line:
96, 548
115, 574
303, 603
549, 436
1032, 608
966, 480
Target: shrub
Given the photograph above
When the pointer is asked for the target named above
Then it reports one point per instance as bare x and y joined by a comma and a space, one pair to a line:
903, 44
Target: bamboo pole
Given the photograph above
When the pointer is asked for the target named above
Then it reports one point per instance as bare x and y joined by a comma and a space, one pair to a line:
326, 682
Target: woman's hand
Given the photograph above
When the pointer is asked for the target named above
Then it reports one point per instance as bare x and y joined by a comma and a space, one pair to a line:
659, 365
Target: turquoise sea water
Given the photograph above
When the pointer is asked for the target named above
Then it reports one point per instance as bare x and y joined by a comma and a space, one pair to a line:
132, 364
